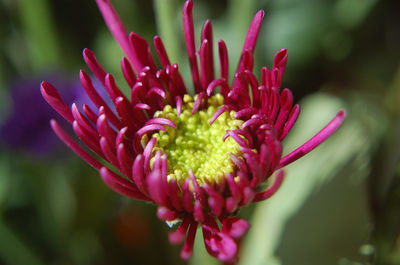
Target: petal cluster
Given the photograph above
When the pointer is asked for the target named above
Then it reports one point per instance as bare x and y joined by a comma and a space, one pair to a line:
115, 133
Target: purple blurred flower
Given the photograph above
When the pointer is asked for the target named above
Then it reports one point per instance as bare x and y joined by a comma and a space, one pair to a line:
198, 158
27, 125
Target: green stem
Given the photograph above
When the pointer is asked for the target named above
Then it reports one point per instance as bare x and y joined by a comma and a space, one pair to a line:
40, 34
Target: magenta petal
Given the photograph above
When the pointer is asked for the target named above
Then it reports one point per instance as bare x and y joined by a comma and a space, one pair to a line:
235, 227
280, 63
142, 52
198, 102
231, 204
155, 187
188, 29
138, 175
218, 113
178, 236
145, 130
272, 189
119, 32
128, 72
81, 119
187, 197
97, 100
198, 212
178, 100
161, 121
207, 34
109, 152
74, 146
160, 49
105, 129
225, 248
125, 161
147, 154
206, 64
92, 141
157, 92
187, 249
166, 214
286, 101
252, 35
215, 200
125, 112
91, 61
215, 83
254, 30
89, 113
52, 97
294, 114
316, 140
219, 245
248, 195
112, 88
223, 58
120, 185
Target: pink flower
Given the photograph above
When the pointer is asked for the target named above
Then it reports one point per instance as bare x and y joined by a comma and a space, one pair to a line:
198, 158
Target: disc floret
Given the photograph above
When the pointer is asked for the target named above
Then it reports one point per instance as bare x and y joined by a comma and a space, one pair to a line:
196, 144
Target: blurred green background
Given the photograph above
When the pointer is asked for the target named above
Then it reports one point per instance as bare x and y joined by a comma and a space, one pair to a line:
338, 205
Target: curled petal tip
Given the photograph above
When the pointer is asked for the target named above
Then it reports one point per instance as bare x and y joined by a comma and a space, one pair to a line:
185, 255
176, 237
338, 119
43, 89
342, 113
187, 8
103, 172
282, 54
87, 54
235, 227
156, 38
272, 189
53, 123
260, 13
166, 214
46, 87
118, 100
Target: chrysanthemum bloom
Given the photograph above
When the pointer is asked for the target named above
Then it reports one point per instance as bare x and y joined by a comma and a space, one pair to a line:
199, 158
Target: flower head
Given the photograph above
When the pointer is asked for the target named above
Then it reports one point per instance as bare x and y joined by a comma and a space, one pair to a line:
199, 158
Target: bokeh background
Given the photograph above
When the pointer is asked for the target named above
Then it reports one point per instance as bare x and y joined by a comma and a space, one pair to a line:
339, 205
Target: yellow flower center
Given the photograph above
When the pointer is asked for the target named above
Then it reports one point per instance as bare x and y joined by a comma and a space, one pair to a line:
197, 145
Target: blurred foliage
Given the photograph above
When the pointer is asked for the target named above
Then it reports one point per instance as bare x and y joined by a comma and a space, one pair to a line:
338, 205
